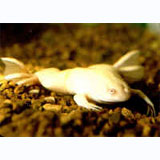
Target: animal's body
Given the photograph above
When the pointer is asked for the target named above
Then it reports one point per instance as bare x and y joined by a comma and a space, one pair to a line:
100, 83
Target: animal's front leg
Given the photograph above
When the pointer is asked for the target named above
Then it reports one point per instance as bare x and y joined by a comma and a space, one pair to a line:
82, 101
148, 101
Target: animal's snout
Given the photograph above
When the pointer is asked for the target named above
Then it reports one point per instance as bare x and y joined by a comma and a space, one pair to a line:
126, 90
123, 93
127, 93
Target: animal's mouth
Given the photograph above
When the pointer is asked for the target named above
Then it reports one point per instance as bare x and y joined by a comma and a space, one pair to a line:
111, 102
116, 100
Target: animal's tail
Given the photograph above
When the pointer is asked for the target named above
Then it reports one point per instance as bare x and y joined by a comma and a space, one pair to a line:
129, 67
15, 70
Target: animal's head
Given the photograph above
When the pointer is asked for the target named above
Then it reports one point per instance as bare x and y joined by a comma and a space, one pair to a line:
109, 87
111, 93
116, 93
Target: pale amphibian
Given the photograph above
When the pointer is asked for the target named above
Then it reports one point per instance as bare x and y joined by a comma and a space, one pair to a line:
100, 83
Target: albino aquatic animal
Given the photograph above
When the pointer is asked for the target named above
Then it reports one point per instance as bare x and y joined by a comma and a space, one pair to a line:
101, 83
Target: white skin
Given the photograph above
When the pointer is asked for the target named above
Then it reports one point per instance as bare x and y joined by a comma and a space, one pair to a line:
100, 83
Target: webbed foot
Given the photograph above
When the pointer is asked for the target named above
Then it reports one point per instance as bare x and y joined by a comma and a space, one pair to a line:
150, 107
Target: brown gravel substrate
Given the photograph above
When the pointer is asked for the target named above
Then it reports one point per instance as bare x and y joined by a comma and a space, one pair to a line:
35, 111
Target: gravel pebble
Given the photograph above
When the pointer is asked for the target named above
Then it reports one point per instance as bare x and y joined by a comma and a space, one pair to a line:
52, 107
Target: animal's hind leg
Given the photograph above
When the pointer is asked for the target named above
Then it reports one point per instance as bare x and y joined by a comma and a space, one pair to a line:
22, 78
16, 76
148, 101
28, 81
15, 71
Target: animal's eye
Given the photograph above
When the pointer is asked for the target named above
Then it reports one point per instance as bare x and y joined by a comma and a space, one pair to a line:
112, 91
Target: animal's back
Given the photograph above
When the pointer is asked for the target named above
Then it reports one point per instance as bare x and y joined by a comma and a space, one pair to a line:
69, 81
84, 80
